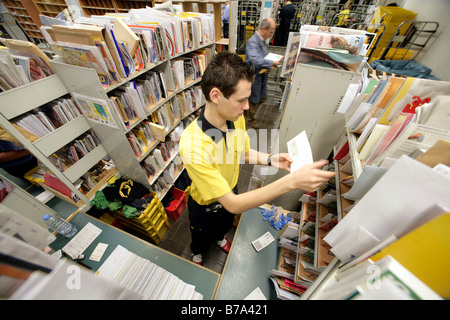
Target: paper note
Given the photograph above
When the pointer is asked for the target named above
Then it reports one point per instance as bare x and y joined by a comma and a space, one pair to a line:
81, 241
263, 241
273, 57
256, 294
98, 252
300, 151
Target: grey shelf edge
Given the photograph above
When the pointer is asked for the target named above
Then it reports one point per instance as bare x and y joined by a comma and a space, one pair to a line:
325, 277
21, 201
84, 164
62, 136
356, 163
31, 95
338, 190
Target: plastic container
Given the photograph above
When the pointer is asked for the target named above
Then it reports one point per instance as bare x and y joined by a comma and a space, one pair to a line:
177, 205
33, 180
58, 224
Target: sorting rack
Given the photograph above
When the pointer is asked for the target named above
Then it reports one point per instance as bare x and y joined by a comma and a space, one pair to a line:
409, 44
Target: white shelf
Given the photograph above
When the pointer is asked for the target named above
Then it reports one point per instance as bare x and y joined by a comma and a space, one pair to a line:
62, 136
24, 99
32, 95
84, 164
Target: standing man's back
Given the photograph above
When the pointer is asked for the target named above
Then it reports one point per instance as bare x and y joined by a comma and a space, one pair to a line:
287, 13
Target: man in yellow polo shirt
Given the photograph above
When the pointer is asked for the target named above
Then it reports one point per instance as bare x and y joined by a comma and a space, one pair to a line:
214, 145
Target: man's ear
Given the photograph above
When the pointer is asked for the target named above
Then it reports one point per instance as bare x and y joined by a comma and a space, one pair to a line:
214, 95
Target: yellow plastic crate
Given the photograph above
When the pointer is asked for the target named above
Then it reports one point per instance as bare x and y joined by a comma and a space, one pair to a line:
150, 215
395, 15
33, 180
392, 54
148, 226
160, 231
249, 31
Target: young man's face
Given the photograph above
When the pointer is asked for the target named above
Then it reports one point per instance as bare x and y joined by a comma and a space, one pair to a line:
233, 108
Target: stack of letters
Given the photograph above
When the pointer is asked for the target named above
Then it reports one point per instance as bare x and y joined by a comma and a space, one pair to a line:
145, 278
49, 117
392, 116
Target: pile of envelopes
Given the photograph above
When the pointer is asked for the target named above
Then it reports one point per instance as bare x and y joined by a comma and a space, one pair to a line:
145, 278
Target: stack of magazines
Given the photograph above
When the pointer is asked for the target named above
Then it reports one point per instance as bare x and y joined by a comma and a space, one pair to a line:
331, 47
22, 62
116, 46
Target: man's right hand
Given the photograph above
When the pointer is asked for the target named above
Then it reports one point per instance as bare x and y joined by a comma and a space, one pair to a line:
275, 64
309, 177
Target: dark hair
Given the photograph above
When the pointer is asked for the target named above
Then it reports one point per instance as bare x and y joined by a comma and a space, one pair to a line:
224, 72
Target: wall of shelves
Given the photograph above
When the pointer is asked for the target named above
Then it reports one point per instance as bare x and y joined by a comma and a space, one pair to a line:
359, 185
114, 143
27, 14
336, 271
85, 81
31, 96
202, 7
94, 7
50, 8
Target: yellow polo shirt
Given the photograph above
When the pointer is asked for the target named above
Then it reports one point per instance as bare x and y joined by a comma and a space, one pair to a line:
212, 157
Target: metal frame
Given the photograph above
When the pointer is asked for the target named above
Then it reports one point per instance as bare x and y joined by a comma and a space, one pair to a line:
415, 38
6, 21
247, 17
359, 16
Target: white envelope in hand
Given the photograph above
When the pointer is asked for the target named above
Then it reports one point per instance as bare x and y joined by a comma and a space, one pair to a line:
300, 151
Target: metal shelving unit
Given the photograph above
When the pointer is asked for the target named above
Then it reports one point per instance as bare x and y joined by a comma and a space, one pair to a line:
35, 94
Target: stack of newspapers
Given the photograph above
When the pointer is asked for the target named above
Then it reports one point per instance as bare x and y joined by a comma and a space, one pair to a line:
145, 278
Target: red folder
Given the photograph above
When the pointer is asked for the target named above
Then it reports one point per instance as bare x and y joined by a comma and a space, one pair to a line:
342, 152
56, 184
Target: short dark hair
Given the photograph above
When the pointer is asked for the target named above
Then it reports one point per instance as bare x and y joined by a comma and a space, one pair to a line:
224, 72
